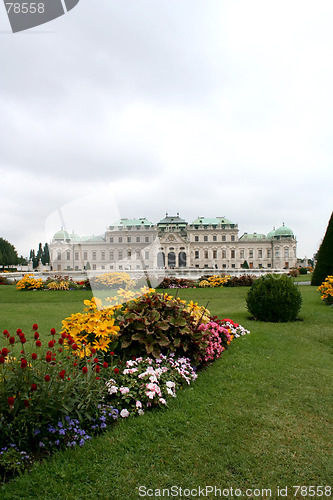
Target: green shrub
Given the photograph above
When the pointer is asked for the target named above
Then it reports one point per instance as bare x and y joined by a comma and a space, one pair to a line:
274, 298
303, 270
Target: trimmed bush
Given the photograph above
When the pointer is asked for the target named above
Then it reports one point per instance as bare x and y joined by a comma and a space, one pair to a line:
274, 298
324, 266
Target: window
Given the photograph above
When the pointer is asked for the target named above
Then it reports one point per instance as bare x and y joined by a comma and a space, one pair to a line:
196, 254
59, 256
196, 238
232, 254
93, 255
120, 239
68, 255
224, 266
137, 254
224, 238
111, 239
76, 256
94, 267
251, 254
103, 267
232, 237
146, 239
259, 254
214, 254
120, 254
242, 254
286, 252
214, 237
277, 252
111, 267
85, 255
205, 238
129, 254
76, 268
146, 255
206, 254
138, 239
233, 266
128, 239
224, 254
111, 255
102, 255
269, 253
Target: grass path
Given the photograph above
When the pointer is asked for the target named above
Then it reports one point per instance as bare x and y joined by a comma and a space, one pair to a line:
260, 417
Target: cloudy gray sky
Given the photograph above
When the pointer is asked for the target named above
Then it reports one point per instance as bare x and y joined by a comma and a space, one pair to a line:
140, 107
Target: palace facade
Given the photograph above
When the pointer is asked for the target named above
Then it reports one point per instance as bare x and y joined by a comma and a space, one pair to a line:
173, 243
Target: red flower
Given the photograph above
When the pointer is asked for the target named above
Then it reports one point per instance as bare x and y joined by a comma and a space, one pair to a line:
5, 332
35, 326
97, 378
84, 369
60, 341
93, 350
51, 344
53, 332
105, 365
12, 340
97, 369
4, 351
74, 347
47, 378
26, 403
111, 353
38, 343
116, 370
36, 335
18, 331
48, 358
62, 374
34, 355
64, 335
96, 360
23, 339
75, 364
11, 401
33, 387
2, 359
23, 363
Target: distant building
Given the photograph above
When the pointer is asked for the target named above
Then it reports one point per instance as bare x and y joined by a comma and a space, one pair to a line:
173, 243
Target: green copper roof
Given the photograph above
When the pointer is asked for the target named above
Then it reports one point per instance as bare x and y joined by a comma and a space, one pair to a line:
252, 236
283, 231
61, 235
211, 221
271, 233
132, 222
172, 219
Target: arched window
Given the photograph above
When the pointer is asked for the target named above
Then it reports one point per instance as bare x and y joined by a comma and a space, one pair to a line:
182, 259
171, 259
160, 259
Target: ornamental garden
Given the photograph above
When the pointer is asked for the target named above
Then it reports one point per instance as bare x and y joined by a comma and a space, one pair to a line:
131, 354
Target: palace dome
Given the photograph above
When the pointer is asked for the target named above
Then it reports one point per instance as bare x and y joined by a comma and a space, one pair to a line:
61, 235
284, 232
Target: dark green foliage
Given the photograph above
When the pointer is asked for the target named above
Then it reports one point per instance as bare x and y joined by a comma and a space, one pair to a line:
245, 265
303, 270
245, 280
155, 324
43, 255
324, 265
8, 254
274, 298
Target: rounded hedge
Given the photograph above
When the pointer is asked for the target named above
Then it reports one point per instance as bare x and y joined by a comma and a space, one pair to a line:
274, 298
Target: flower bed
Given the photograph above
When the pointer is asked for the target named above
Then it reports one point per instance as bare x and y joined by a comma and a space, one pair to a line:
29, 282
61, 391
326, 290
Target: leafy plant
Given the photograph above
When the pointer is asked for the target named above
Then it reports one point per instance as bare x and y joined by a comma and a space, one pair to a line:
274, 298
326, 290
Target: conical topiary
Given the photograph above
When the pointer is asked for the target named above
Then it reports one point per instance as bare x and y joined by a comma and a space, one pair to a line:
324, 265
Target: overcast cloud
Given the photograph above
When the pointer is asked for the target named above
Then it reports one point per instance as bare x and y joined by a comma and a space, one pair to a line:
134, 108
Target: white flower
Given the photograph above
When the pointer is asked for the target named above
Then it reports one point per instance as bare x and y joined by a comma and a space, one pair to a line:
138, 404
150, 394
141, 412
112, 389
124, 413
170, 384
162, 400
124, 390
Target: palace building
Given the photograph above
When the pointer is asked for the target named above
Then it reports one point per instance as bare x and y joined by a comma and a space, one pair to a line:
173, 243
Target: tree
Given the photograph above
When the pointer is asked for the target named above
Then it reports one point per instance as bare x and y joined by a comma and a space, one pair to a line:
45, 258
8, 254
324, 265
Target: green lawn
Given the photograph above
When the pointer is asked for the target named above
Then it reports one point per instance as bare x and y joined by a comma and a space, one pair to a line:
260, 417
